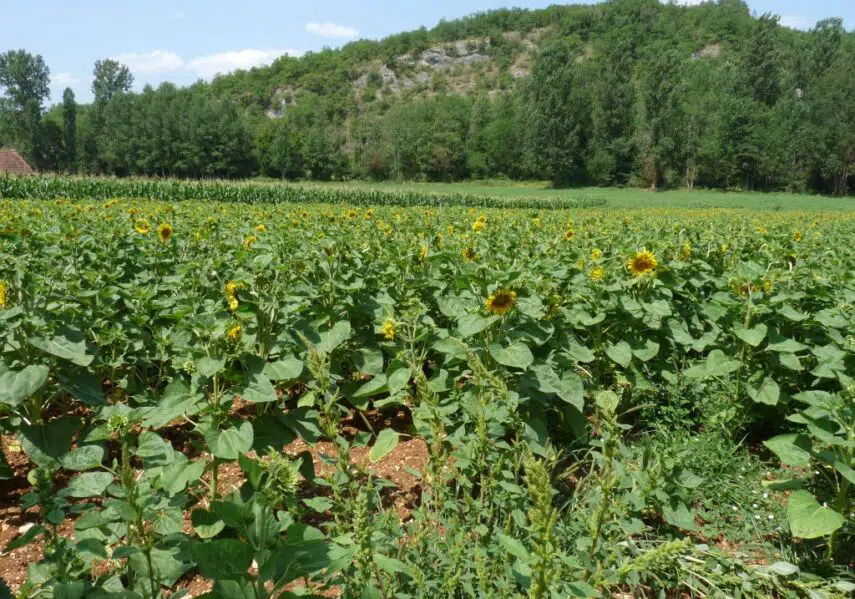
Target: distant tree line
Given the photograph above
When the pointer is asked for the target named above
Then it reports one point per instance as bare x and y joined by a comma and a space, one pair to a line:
628, 92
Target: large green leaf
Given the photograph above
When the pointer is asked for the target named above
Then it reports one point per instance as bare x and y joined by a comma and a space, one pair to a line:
516, 355
472, 324
89, 484
222, 558
810, 520
230, 443
791, 449
338, 334
753, 336
386, 442
285, 369
769, 392
569, 387
16, 387
256, 388
716, 364
82, 458
46, 444
68, 344
620, 353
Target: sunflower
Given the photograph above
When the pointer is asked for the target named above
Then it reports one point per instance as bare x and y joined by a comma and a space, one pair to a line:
598, 274
262, 228
4, 295
423, 253
234, 333
469, 254
501, 302
798, 236
164, 232
249, 242
352, 214
389, 330
596, 254
478, 225
569, 234
142, 227
686, 251
643, 263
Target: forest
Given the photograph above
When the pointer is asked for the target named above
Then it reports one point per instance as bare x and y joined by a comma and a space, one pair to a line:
622, 93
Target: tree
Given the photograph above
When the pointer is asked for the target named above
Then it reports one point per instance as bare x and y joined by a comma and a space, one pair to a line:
110, 78
761, 64
69, 130
560, 112
25, 79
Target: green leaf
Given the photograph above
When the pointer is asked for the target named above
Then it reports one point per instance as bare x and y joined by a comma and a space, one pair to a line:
769, 393
516, 355
791, 314
398, 379
716, 364
25, 539
791, 449
648, 352
373, 387
167, 521
83, 458
16, 387
83, 385
319, 504
256, 388
810, 520
514, 547
208, 367
88, 484
472, 324
46, 444
620, 353
676, 513
206, 524
223, 558
569, 388
753, 336
68, 344
286, 369
391, 565
386, 442
230, 443
338, 334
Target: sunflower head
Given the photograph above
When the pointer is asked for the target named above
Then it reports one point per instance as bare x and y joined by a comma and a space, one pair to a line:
596, 254
249, 242
234, 333
389, 330
262, 228
423, 253
798, 236
501, 302
164, 232
142, 227
478, 225
469, 254
642, 263
4, 295
352, 214
569, 234
686, 251
597, 274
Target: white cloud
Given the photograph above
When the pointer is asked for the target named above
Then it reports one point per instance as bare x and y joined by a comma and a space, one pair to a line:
331, 30
797, 22
63, 80
156, 61
225, 62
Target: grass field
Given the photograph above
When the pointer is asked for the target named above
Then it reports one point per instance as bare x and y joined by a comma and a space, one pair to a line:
624, 197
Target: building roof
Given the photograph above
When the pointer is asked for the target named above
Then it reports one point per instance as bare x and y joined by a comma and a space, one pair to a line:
12, 163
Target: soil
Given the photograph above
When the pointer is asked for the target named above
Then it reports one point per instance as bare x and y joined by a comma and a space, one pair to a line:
411, 455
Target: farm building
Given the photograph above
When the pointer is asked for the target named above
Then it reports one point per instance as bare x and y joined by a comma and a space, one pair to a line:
11, 163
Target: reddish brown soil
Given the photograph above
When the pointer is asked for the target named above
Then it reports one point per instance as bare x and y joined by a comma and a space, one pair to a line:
410, 455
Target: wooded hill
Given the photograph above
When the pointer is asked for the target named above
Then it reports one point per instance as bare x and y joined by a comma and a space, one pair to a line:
627, 92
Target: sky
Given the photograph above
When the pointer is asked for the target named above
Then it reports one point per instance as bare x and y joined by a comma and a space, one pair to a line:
186, 40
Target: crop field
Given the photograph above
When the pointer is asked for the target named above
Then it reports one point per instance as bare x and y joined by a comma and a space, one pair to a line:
215, 391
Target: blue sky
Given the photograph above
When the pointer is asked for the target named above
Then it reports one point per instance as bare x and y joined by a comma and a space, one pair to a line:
185, 40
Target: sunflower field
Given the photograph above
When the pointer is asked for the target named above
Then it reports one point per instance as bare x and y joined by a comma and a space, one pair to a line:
257, 399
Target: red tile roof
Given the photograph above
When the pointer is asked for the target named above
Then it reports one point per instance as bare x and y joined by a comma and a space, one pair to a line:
12, 163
